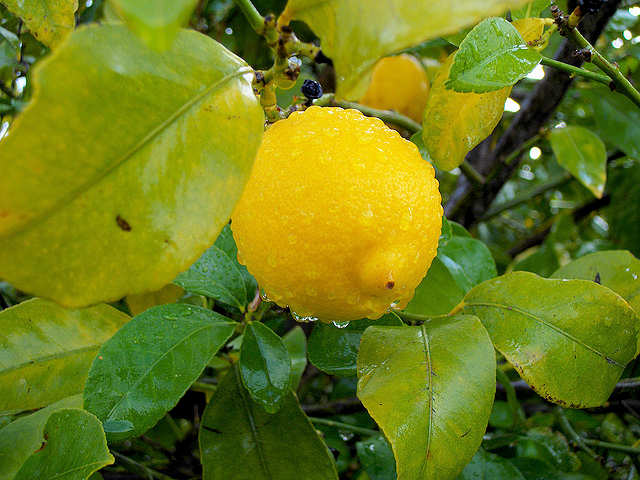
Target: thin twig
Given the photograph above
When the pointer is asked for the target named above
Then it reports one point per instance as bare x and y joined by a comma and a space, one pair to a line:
471, 173
139, 469
512, 400
344, 426
567, 428
581, 72
612, 446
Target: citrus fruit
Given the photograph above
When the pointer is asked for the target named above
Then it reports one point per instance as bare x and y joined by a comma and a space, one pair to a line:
398, 83
341, 217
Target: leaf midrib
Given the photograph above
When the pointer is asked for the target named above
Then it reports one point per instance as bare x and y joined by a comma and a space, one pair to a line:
67, 200
47, 358
553, 327
427, 352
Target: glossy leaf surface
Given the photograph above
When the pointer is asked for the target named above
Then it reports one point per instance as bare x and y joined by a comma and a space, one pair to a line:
616, 269
418, 382
240, 441
24, 436
296, 342
493, 56
583, 154
438, 293
156, 22
265, 366
454, 123
485, 465
50, 21
469, 261
146, 367
377, 459
531, 9
572, 347
124, 213
217, 274
46, 351
356, 33
335, 350
74, 448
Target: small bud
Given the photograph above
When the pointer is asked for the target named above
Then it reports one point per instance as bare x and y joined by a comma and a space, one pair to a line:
311, 89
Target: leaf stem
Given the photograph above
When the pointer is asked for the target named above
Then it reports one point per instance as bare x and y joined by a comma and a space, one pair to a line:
139, 469
581, 72
416, 317
252, 15
203, 387
512, 399
612, 446
344, 426
384, 115
567, 428
471, 173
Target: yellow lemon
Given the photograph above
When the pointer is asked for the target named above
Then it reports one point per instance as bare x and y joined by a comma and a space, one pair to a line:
341, 217
398, 83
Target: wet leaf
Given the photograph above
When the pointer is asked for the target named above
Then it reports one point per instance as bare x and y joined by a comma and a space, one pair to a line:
617, 269
50, 21
296, 342
143, 301
75, 448
454, 123
335, 350
377, 459
417, 384
485, 465
531, 9
47, 350
218, 275
469, 261
126, 212
156, 22
491, 57
142, 372
572, 347
583, 154
240, 441
23, 436
265, 366
549, 447
356, 33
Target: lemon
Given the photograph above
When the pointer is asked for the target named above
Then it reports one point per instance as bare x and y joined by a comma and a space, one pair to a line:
341, 217
398, 83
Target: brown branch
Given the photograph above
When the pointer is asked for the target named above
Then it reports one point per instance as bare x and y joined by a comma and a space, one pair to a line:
468, 203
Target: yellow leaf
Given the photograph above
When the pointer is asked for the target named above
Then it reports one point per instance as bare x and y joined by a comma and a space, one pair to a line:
531, 29
143, 301
454, 123
356, 33
50, 21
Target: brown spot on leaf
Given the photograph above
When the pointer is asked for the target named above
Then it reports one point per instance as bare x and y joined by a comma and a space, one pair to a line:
123, 224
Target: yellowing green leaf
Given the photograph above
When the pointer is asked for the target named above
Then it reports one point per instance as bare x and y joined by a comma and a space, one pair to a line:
143, 301
454, 123
156, 22
418, 383
356, 33
46, 351
569, 339
531, 29
134, 163
50, 21
583, 154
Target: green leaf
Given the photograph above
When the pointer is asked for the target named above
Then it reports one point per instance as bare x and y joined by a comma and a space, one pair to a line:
156, 22
145, 193
532, 9
74, 448
617, 119
217, 274
455, 123
356, 33
469, 261
376, 458
569, 339
583, 154
616, 269
438, 293
23, 436
418, 382
265, 366
485, 465
240, 441
50, 21
296, 342
46, 351
549, 447
335, 350
148, 365
491, 57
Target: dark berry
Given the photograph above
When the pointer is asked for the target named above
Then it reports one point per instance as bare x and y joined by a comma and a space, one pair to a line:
311, 89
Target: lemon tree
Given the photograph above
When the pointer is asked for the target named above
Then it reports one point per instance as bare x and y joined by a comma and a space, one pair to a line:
305, 239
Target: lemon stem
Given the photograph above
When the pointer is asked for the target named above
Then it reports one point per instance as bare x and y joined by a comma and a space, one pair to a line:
384, 115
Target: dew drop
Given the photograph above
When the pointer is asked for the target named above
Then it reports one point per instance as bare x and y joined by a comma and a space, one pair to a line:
340, 324
264, 296
303, 318
346, 436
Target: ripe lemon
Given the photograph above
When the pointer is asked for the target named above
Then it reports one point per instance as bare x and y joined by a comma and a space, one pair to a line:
398, 83
341, 217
